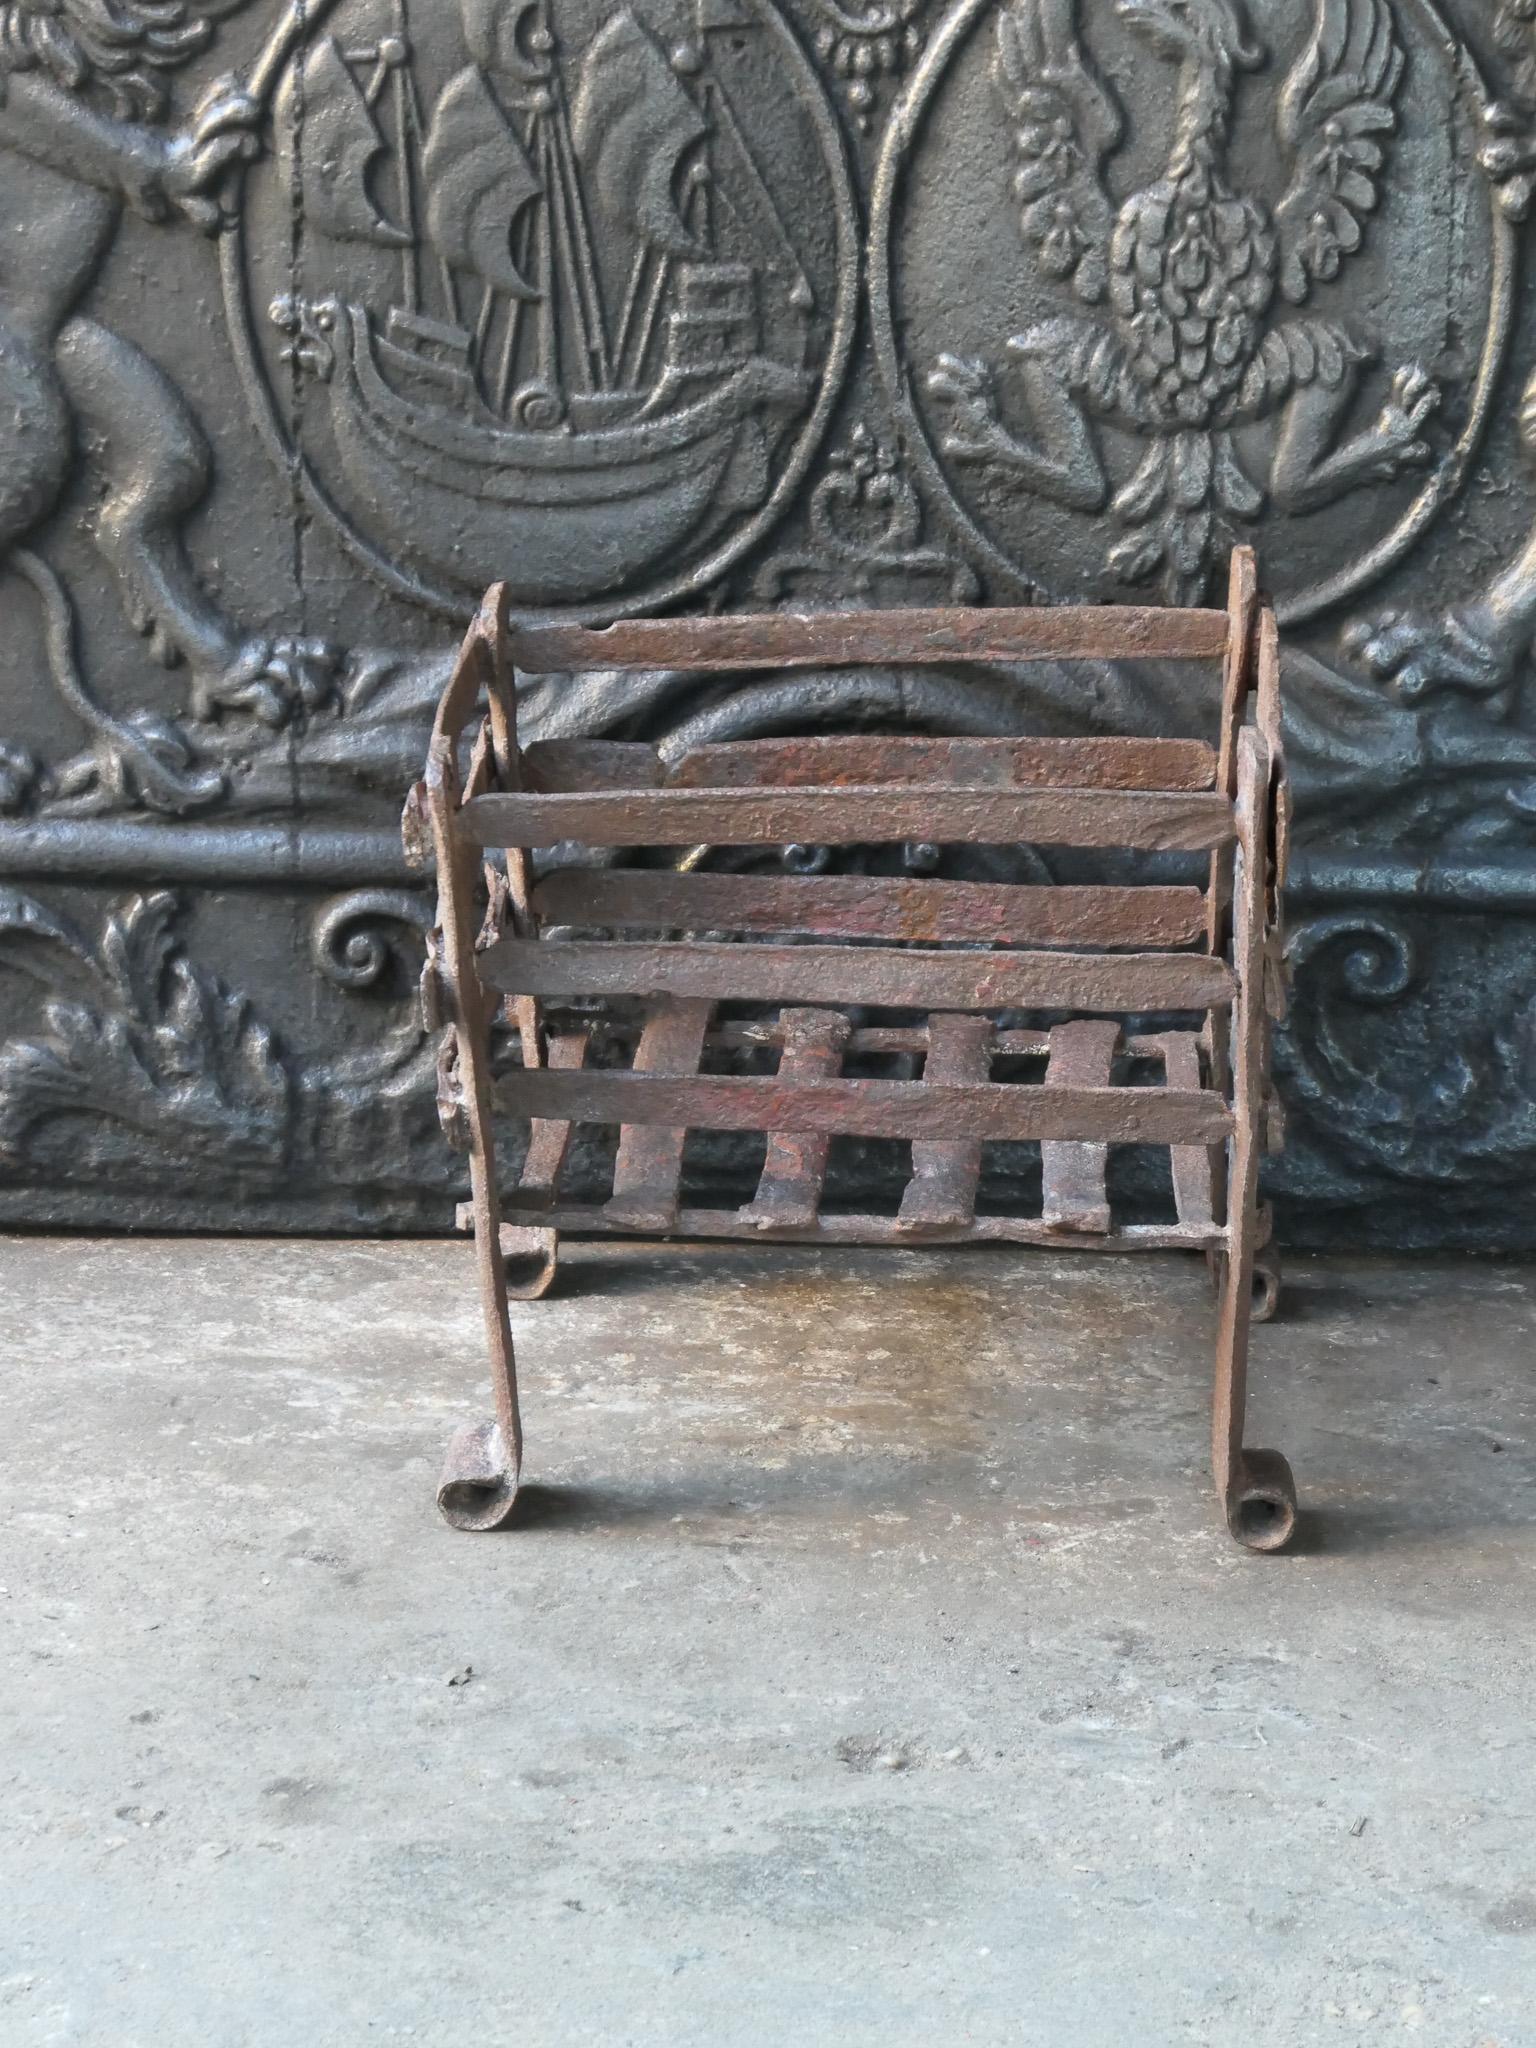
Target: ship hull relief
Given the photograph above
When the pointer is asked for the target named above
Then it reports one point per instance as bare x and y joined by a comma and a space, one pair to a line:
565, 511
317, 315
574, 335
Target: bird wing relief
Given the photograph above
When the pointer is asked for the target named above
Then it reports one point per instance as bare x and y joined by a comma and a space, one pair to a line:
1337, 118
1066, 123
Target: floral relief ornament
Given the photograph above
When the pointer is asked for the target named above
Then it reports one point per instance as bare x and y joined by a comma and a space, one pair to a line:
1509, 154
867, 44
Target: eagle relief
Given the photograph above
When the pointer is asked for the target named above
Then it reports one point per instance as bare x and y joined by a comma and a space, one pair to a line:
573, 297
1160, 274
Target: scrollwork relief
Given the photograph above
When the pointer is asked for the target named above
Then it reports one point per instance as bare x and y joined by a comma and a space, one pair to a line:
1393, 1073
355, 939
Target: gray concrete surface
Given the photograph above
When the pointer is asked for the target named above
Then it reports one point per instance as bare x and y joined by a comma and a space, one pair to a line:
870, 1669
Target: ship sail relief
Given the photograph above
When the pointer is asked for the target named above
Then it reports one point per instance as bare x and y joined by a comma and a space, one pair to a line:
479, 181
567, 335
501, 188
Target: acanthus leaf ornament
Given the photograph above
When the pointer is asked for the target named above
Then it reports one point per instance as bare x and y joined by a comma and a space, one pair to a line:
156, 1053
139, 1067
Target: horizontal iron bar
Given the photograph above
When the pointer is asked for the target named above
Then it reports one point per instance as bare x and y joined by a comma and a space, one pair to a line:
1497, 884
870, 1109
856, 639
971, 763
1188, 822
240, 853
735, 1036
872, 907
886, 977
886, 1231
874, 761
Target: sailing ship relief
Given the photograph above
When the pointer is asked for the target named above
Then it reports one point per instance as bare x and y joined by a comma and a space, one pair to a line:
567, 334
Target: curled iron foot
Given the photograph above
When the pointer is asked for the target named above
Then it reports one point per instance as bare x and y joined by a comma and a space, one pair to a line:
1261, 1503
478, 1489
1266, 1285
530, 1256
1267, 1282
530, 1260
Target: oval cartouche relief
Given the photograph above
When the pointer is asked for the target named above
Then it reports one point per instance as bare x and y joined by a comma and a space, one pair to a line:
1158, 275
547, 291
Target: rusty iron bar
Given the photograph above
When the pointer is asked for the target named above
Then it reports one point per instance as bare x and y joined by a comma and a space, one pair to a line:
787, 640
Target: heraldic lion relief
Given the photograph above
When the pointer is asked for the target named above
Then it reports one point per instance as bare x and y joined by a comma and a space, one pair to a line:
84, 93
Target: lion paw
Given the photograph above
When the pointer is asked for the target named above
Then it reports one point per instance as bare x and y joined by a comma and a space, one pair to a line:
1412, 401
274, 681
1418, 655
191, 176
966, 387
1508, 156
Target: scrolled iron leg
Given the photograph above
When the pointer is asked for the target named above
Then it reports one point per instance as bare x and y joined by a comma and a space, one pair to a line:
531, 1261
530, 1256
1267, 1285
478, 1492
1261, 1501
478, 1489
1268, 1281
1256, 1488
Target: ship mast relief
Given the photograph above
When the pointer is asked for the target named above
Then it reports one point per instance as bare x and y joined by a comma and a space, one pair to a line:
567, 333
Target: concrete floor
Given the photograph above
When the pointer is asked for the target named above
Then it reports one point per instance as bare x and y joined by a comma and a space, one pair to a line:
870, 1669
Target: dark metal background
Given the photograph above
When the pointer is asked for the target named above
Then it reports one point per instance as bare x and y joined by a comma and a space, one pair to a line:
914, 359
